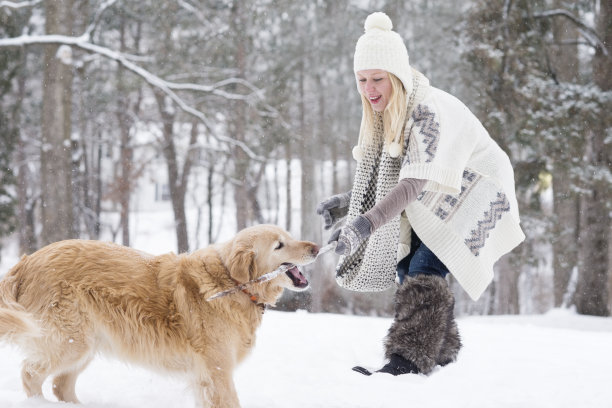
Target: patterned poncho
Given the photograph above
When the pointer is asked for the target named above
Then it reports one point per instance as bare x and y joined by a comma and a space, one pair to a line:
467, 214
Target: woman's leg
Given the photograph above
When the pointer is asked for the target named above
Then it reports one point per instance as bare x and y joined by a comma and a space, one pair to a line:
424, 333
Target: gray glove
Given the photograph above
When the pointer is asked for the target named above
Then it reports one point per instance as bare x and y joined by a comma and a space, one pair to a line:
334, 208
351, 235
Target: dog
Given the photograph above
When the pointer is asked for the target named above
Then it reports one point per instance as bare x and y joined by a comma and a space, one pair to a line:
75, 298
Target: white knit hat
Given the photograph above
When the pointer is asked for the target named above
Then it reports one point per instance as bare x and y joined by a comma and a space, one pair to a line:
381, 48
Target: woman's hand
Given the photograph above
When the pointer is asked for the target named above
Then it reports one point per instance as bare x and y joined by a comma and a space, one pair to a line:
334, 208
352, 235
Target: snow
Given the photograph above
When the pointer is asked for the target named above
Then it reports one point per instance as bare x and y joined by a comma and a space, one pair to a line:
555, 360
303, 360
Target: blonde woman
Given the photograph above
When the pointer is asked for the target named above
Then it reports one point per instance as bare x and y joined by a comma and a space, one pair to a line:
432, 194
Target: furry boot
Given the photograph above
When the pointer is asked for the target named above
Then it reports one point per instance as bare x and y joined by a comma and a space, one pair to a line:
399, 365
452, 341
424, 333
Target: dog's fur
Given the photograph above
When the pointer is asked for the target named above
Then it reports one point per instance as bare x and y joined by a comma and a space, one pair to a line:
74, 298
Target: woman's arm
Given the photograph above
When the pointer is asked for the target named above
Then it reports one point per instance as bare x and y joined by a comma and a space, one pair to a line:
351, 235
406, 191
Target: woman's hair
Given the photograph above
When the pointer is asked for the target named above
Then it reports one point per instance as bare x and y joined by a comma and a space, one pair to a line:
393, 115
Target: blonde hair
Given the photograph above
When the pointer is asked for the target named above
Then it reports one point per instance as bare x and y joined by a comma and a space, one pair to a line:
393, 115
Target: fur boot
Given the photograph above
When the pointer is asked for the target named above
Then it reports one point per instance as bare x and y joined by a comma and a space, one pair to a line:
424, 331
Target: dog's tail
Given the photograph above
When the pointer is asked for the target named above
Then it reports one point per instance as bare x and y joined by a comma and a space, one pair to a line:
15, 322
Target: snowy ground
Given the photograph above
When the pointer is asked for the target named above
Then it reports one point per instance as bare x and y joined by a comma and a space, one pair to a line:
557, 360
302, 360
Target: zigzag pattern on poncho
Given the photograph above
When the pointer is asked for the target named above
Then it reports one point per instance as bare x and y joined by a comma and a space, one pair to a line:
429, 128
481, 233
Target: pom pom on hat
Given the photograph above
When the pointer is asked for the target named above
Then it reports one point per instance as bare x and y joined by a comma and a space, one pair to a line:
378, 20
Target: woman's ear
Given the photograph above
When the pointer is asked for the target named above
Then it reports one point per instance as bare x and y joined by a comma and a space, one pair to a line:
241, 264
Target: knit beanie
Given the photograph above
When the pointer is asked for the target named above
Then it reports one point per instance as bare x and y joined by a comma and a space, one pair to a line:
381, 48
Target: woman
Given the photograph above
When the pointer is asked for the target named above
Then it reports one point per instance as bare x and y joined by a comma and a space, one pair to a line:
433, 194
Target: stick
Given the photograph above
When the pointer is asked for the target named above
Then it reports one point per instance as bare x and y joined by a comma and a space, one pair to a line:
268, 276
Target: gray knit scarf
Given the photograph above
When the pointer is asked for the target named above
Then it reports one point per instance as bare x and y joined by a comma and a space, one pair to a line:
372, 267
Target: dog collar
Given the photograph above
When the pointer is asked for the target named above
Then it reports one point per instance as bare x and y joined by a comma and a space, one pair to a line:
252, 297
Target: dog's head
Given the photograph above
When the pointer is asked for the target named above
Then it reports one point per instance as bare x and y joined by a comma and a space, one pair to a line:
261, 249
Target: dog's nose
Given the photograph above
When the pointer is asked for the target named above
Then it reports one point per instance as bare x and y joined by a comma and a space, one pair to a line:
314, 250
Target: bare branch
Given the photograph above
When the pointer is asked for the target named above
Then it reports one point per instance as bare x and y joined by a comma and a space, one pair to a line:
166, 87
587, 32
97, 16
192, 9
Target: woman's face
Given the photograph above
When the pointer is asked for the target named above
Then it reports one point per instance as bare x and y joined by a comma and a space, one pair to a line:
375, 85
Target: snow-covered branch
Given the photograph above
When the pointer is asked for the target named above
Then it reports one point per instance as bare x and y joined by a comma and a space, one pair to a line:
21, 4
214, 89
167, 87
587, 32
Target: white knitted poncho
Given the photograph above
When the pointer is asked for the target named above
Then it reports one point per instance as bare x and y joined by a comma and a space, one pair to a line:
468, 213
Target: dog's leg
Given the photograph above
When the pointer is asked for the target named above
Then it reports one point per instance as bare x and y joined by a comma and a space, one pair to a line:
65, 382
33, 374
217, 391
201, 388
224, 392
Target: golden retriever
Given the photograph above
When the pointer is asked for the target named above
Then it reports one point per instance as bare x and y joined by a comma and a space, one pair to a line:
74, 298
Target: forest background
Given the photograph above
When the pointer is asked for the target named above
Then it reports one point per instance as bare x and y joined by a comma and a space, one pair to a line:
93, 93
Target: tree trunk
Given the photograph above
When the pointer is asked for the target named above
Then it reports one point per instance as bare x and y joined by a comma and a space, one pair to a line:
564, 60
602, 67
255, 208
209, 201
506, 287
289, 199
323, 284
98, 181
25, 203
176, 181
56, 179
309, 230
565, 248
592, 295
237, 126
126, 178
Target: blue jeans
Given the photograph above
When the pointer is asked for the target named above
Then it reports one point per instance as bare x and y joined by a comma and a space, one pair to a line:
420, 260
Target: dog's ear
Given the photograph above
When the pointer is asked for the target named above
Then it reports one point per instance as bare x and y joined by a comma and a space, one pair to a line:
242, 263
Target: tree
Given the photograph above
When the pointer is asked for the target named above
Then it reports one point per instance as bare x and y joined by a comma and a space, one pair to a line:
8, 139
10, 64
549, 120
592, 296
177, 178
56, 152
564, 60
58, 78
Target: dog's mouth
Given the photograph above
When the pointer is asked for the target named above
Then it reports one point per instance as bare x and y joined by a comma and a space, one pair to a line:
298, 279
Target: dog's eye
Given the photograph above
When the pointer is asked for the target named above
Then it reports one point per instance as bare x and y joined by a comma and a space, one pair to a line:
279, 245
